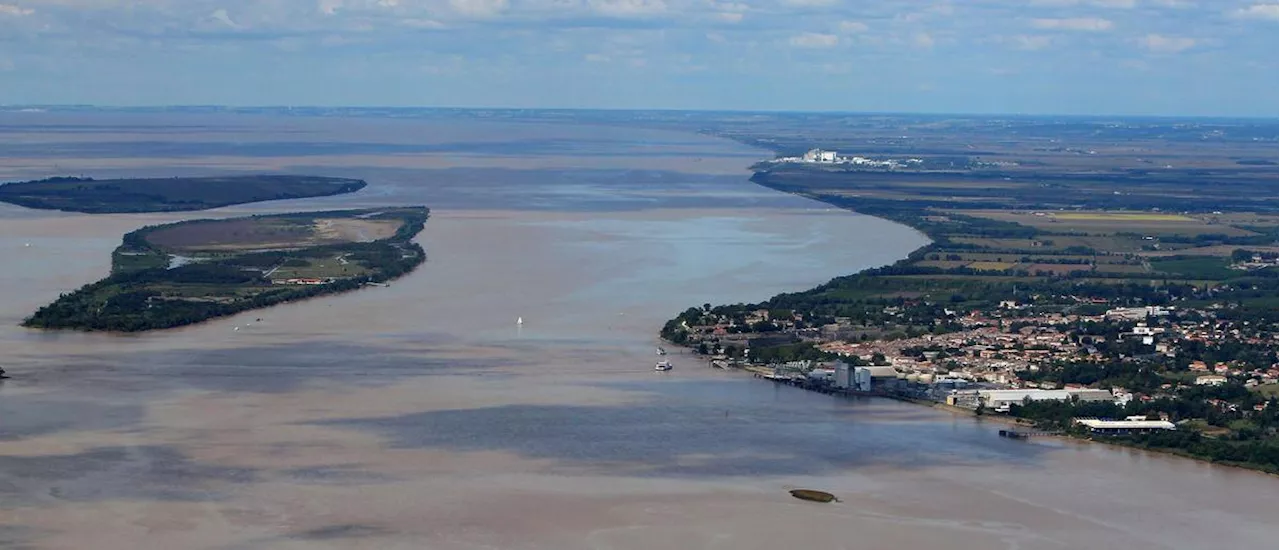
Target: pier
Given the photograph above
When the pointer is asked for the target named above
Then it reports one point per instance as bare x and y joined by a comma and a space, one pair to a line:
1024, 434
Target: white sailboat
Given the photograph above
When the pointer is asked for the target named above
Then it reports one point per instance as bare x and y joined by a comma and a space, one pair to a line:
519, 320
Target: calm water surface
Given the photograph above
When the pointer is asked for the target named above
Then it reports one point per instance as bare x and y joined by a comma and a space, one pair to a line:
421, 416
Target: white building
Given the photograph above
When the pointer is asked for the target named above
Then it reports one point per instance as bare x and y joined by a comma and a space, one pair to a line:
1000, 400
1210, 380
818, 155
1136, 313
1130, 425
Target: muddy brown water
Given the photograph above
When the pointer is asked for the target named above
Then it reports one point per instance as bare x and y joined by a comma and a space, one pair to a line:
421, 416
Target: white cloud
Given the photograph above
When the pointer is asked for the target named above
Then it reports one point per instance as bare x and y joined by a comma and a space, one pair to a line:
1167, 44
814, 40
627, 8
944, 10
922, 40
729, 12
421, 23
478, 8
333, 7
1091, 24
1258, 11
220, 15
15, 11
1121, 4
1029, 41
809, 3
328, 7
596, 58
850, 27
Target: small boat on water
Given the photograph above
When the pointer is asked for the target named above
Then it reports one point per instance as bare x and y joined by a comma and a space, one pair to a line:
519, 320
662, 351
663, 366
816, 496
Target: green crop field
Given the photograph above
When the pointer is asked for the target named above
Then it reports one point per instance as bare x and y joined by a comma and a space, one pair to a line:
1199, 268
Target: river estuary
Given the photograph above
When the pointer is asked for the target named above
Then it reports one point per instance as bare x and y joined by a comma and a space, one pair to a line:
421, 415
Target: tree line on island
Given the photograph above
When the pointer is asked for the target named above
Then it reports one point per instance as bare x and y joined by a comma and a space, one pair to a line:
134, 299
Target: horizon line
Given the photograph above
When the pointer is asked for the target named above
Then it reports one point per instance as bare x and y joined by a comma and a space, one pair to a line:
29, 106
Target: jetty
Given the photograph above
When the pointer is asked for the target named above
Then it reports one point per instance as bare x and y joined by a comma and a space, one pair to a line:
1024, 434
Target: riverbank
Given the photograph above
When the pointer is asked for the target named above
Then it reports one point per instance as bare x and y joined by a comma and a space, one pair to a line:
1025, 266
997, 418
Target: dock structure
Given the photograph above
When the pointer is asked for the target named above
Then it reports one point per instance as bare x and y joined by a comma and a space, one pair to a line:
1023, 434
824, 389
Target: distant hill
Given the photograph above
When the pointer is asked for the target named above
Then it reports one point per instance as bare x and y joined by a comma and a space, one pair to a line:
168, 194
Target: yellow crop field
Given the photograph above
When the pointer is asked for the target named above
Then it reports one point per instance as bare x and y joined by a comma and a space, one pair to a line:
991, 266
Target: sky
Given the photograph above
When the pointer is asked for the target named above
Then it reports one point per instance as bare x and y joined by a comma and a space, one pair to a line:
1113, 57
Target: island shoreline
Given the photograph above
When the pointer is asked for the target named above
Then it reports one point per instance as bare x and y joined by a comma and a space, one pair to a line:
244, 277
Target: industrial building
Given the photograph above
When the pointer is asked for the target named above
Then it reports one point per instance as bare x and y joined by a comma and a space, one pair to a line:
864, 378
1000, 400
1129, 426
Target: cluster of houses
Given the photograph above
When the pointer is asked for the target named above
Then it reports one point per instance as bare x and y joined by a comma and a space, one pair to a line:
1258, 261
985, 364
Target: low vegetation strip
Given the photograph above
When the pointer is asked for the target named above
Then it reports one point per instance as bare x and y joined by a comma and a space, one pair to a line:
222, 269
134, 195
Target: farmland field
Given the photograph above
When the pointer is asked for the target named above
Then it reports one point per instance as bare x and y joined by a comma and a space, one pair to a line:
1056, 269
228, 266
992, 266
1121, 216
269, 233
1196, 267
1109, 223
